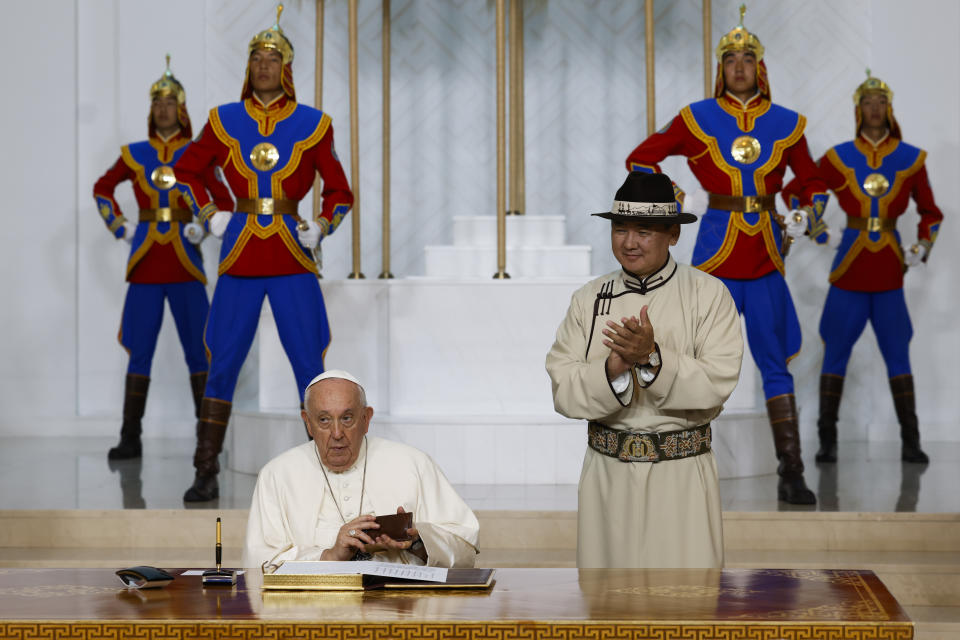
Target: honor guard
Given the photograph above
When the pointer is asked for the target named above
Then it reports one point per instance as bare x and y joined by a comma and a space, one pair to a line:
270, 147
874, 176
164, 261
738, 144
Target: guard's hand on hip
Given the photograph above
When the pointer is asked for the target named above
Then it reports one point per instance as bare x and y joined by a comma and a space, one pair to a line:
219, 222
796, 223
308, 234
913, 256
193, 232
128, 230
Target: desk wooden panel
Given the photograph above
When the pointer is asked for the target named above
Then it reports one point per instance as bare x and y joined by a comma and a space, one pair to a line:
524, 604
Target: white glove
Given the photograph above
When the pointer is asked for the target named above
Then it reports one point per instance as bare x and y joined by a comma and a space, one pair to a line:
194, 232
128, 230
913, 256
219, 222
309, 237
796, 223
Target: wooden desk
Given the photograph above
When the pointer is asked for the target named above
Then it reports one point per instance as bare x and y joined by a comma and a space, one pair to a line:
524, 604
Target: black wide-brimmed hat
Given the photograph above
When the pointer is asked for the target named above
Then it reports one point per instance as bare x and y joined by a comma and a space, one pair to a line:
647, 197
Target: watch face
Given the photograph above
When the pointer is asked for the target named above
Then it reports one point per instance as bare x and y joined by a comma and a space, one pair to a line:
654, 359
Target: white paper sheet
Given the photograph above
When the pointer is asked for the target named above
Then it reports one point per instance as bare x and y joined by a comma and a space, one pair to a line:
386, 569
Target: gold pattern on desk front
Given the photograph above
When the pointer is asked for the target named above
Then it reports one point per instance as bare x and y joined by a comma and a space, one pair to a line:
686, 591
144, 630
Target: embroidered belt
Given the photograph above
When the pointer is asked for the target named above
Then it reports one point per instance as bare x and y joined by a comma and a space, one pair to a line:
747, 204
872, 224
166, 214
267, 206
628, 446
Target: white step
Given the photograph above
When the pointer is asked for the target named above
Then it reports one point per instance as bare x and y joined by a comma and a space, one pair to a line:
522, 262
526, 231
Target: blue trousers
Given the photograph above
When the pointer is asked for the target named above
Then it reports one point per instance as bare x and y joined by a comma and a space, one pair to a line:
773, 330
301, 319
143, 315
845, 315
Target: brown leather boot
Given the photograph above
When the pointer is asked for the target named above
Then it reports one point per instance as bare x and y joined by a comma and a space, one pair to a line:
134, 403
198, 382
211, 430
791, 488
831, 389
905, 403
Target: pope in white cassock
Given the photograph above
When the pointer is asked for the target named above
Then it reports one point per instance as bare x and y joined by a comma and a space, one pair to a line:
318, 501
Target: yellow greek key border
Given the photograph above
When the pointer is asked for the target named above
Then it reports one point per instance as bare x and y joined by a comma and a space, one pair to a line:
217, 630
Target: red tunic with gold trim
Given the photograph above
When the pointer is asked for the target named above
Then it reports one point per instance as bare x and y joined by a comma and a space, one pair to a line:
302, 139
874, 183
733, 244
159, 252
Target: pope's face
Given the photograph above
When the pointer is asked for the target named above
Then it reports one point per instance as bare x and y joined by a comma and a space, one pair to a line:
266, 69
337, 421
873, 106
740, 72
163, 109
642, 247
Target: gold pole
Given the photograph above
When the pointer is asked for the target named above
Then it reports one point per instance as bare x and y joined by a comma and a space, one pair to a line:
707, 38
515, 139
385, 36
317, 101
356, 274
501, 273
651, 96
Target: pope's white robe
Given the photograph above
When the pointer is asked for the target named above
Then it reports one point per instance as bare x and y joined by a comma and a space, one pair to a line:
642, 514
294, 517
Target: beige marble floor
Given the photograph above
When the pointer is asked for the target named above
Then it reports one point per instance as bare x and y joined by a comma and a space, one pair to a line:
74, 473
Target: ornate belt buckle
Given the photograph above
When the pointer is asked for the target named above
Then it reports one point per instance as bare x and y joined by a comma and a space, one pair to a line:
164, 214
874, 225
639, 448
751, 204
265, 206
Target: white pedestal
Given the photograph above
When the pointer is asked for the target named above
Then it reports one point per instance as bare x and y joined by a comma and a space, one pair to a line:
457, 369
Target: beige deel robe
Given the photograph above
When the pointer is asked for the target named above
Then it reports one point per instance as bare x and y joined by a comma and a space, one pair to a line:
642, 514
293, 515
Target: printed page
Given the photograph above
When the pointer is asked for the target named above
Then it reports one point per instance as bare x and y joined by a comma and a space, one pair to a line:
385, 569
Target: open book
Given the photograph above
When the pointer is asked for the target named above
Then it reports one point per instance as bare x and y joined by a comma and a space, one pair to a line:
356, 576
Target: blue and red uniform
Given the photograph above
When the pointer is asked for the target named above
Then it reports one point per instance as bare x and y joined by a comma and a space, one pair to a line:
260, 255
744, 248
873, 184
163, 264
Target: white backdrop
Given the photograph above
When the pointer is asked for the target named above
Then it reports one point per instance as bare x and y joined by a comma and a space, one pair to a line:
84, 69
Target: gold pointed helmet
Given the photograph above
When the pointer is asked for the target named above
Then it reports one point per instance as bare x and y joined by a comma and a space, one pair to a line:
872, 85
739, 39
273, 38
168, 85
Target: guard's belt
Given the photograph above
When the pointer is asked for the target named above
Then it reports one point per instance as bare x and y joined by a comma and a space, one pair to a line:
872, 224
747, 204
267, 206
166, 214
628, 446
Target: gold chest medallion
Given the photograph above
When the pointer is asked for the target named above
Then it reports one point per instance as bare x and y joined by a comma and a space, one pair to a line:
876, 184
264, 156
163, 178
745, 149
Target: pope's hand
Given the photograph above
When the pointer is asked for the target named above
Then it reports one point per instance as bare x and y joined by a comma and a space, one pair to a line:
385, 542
219, 222
128, 230
308, 233
913, 256
796, 223
351, 538
193, 232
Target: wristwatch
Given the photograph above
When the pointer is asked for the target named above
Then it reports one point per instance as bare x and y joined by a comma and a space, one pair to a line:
645, 371
653, 360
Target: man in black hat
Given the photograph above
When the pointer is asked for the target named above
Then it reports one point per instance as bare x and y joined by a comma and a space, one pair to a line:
647, 355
